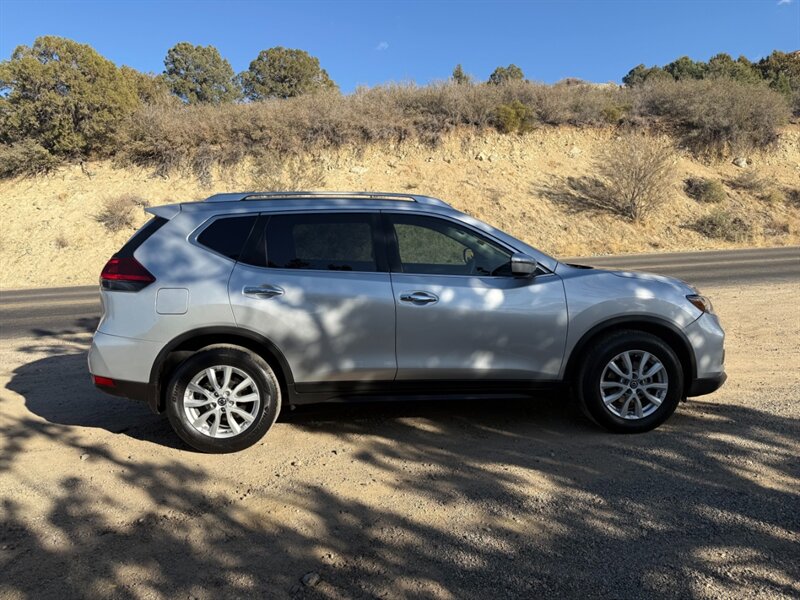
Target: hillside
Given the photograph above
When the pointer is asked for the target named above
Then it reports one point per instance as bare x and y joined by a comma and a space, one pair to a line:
51, 236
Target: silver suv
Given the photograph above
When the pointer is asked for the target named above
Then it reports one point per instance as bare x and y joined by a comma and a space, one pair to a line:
220, 312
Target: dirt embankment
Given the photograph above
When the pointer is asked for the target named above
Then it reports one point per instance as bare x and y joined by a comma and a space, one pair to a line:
50, 234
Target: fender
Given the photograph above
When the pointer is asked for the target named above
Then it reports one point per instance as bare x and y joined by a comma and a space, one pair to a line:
676, 338
204, 336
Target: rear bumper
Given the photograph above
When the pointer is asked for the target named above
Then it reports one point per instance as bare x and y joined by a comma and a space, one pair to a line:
133, 390
707, 385
128, 363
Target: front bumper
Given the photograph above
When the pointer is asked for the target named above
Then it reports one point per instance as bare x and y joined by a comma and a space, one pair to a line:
707, 385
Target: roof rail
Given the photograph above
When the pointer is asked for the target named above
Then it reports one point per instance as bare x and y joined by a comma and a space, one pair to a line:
241, 196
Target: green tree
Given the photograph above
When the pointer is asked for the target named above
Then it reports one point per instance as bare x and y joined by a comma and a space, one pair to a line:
686, 68
781, 70
505, 74
284, 73
151, 89
64, 96
459, 76
199, 75
741, 69
640, 74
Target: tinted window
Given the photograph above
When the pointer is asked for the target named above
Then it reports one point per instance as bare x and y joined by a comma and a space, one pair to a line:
140, 237
227, 236
428, 245
335, 242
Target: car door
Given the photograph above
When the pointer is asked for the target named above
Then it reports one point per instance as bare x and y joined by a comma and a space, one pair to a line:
461, 315
317, 286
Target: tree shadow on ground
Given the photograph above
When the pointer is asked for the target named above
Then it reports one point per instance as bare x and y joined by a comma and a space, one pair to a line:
707, 505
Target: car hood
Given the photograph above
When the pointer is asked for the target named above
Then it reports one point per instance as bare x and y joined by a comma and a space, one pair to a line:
641, 276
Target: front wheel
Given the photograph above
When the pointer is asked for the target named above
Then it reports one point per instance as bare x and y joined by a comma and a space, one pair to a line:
630, 382
223, 399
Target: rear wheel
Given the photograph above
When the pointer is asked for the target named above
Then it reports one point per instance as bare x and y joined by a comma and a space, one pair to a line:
630, 382
223, 399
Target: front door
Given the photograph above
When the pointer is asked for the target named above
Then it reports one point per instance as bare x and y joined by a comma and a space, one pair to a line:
461, 314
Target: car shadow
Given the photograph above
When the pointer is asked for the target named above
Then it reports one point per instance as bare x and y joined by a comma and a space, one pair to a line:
58, 389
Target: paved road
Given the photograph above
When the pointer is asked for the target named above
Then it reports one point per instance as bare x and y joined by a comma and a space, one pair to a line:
42, 311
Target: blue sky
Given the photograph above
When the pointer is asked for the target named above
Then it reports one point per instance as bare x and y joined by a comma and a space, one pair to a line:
371, 42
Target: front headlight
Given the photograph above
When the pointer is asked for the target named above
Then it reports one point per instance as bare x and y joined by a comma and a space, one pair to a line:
701, 302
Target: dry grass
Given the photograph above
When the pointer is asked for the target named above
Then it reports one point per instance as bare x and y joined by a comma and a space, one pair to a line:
709, 116
750, 181
118, 212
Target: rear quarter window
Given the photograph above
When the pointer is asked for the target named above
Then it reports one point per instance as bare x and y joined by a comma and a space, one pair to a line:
227, 235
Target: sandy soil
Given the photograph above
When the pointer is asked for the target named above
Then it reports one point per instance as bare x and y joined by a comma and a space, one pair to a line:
522, 499
50, 235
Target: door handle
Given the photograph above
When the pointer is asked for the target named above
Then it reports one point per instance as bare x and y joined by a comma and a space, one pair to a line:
419, 297
263, 291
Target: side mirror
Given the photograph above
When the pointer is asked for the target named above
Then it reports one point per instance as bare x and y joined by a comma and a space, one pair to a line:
523, 265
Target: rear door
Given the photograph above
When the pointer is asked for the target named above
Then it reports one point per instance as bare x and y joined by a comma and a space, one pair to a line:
317, 286
461, 315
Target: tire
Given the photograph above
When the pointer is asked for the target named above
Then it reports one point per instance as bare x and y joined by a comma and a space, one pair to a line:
665, 384
252, 392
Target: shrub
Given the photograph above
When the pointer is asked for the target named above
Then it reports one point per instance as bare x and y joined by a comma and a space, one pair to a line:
793, 196
716, 116
25, 158
515, 117
723, 224
750, 181
117, 213
637, 173
705, 190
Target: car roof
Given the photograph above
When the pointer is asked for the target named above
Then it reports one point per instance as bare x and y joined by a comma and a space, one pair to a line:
288, 201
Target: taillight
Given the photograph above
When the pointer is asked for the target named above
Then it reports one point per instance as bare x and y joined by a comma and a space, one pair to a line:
125, 274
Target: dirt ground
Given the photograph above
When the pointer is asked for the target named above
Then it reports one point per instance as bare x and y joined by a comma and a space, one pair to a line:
50, 235
444, 500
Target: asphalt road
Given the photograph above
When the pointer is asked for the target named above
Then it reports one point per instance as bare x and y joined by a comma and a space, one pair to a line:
42, 312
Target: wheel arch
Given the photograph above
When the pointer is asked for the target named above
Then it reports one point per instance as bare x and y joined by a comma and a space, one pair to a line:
668, 332
188, 343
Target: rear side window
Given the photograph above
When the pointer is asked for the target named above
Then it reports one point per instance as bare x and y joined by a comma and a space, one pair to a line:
140, 237
227, 236
330, 242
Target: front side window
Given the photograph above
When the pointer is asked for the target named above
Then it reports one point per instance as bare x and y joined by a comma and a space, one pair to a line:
433, 246
331, 242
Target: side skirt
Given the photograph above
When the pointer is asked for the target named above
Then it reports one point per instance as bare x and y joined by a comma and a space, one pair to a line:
372, 391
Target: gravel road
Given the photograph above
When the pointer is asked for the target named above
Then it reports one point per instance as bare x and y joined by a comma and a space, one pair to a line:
441, 500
